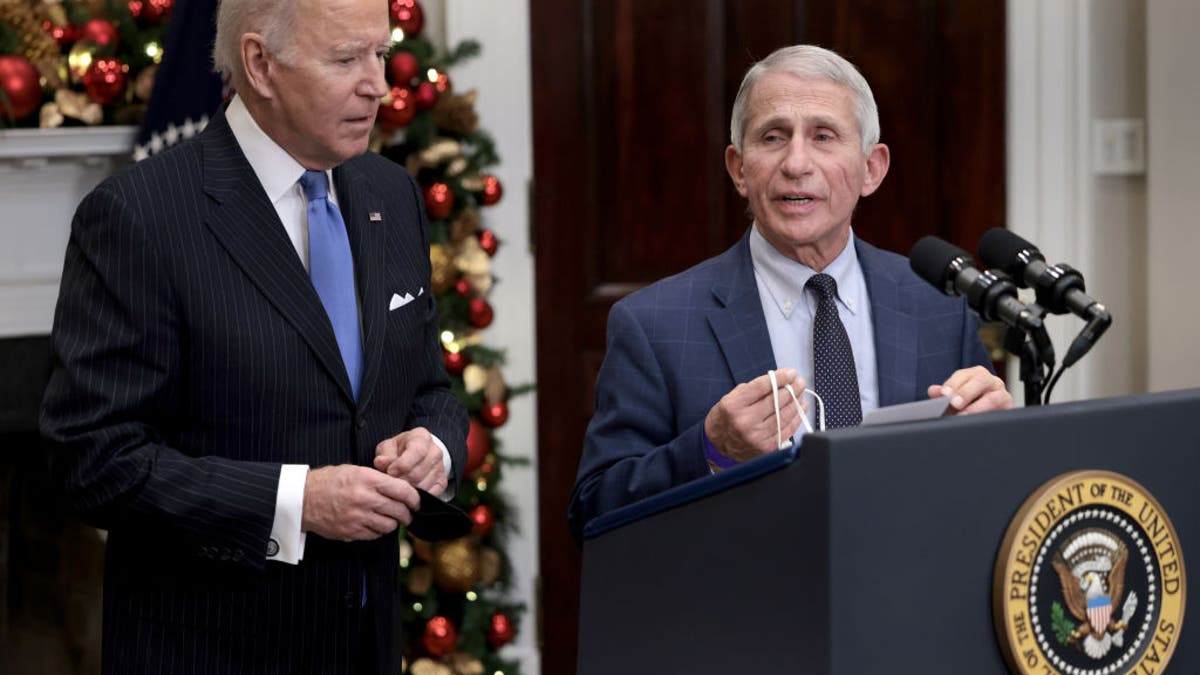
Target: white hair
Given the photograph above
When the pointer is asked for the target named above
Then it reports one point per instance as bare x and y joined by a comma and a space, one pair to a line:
809, 62
275, 20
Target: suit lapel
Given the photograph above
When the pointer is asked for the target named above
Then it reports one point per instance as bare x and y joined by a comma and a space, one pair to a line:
248, 227
895, 327
739, 324
358, 203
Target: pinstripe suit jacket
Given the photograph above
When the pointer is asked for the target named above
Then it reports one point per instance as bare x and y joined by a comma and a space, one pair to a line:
677, 346
193, 359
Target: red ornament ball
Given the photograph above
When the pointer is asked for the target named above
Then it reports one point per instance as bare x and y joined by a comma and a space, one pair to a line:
500, 630
403, 67
455, 361
492, 190
21, 86
408, 16
479, 444
488, 242
443, 83
439, 200
63, 35
462, 287
397, 109
483, 518
494, 414
151, 11
99, 32
105, 80
479, 313
440, 636
426, 95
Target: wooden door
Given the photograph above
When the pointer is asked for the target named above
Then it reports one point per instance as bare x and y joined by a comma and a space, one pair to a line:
631, 104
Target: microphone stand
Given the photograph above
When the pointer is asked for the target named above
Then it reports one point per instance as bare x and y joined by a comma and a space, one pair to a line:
1036, 352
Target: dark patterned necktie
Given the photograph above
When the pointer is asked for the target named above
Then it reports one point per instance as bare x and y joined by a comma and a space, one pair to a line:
835, 378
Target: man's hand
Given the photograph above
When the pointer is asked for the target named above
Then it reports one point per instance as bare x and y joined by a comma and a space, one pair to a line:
413, 456
742, 424
973, 390
350, 503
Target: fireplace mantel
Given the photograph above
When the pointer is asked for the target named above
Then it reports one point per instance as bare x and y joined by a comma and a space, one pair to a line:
43, 175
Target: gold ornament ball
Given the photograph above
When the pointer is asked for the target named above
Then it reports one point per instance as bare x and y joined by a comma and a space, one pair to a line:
443, 276
489, 566
420, 578
455, 565
427, 666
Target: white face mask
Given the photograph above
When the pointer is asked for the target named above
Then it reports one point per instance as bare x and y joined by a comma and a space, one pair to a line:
781, 442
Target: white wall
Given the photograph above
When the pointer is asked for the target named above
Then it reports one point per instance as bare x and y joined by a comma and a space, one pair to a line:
1072, 62
1173, 203
501, 76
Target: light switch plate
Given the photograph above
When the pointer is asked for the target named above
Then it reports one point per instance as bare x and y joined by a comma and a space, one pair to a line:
1119, 147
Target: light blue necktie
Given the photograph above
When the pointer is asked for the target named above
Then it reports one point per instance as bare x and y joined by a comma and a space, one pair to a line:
331, 267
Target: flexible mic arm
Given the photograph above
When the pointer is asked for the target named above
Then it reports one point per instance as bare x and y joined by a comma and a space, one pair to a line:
994, 297
1059, 288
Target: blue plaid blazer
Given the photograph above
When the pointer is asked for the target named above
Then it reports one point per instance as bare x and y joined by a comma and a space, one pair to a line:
677, 346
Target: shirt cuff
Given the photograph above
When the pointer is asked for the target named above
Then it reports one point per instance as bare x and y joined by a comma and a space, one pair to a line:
287, 540
447, 465
716, 461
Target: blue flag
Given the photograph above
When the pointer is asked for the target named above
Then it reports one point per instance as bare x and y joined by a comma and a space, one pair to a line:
186, 90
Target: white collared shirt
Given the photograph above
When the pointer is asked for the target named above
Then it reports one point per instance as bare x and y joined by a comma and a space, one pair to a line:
279, 174
789, 310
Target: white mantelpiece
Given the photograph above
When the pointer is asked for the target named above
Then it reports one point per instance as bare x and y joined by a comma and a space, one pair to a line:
43, 175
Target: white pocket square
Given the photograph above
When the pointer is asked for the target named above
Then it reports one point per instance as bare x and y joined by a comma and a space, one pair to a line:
398, 301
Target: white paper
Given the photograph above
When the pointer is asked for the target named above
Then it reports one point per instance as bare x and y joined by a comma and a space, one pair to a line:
908, 412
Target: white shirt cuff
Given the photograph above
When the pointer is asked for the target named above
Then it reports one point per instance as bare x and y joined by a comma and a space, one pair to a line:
287, 540
449, 493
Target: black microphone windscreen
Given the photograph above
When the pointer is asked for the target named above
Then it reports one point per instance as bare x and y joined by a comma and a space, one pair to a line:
1001, 249
930, 257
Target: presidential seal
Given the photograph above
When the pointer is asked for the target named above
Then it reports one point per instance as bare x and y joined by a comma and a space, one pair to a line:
1089, 580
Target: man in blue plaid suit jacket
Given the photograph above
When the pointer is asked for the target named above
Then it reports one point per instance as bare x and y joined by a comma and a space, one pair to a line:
683, 390
250, 465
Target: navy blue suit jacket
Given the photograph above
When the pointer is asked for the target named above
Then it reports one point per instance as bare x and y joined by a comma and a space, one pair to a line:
677, 346
194, 358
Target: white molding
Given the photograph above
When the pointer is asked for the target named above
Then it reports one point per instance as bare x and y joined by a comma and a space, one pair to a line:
66, 142
45, 172
1049, 184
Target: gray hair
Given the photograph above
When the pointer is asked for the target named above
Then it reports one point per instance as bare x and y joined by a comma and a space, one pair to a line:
275, 20
809, 62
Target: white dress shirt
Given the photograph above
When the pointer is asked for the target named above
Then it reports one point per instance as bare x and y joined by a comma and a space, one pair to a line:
279, 174
789, 310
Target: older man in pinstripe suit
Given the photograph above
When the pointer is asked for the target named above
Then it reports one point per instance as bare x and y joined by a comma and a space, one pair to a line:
237, 398
683, 390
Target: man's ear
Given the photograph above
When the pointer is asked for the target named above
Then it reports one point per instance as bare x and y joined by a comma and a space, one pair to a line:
878, 160
733, 164
257, 65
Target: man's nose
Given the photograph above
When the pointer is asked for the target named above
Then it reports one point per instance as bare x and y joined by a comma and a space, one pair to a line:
798, 161
374, 84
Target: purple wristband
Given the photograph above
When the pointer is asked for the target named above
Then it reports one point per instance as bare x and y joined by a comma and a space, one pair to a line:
720, 461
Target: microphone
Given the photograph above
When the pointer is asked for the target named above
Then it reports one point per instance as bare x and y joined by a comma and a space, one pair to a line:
992, 295
1059, 288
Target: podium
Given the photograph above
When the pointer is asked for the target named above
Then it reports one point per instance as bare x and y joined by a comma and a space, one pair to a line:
867, 550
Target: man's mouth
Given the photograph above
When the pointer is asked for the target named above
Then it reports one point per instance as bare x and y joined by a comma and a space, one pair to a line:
797, 200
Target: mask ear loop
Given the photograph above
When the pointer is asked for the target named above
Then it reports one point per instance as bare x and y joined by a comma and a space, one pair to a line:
820, 408
799, 408
775, 398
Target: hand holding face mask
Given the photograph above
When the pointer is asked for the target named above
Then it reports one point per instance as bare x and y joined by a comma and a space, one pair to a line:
748, 421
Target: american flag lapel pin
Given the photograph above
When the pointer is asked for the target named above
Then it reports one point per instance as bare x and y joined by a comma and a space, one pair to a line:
375, 216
